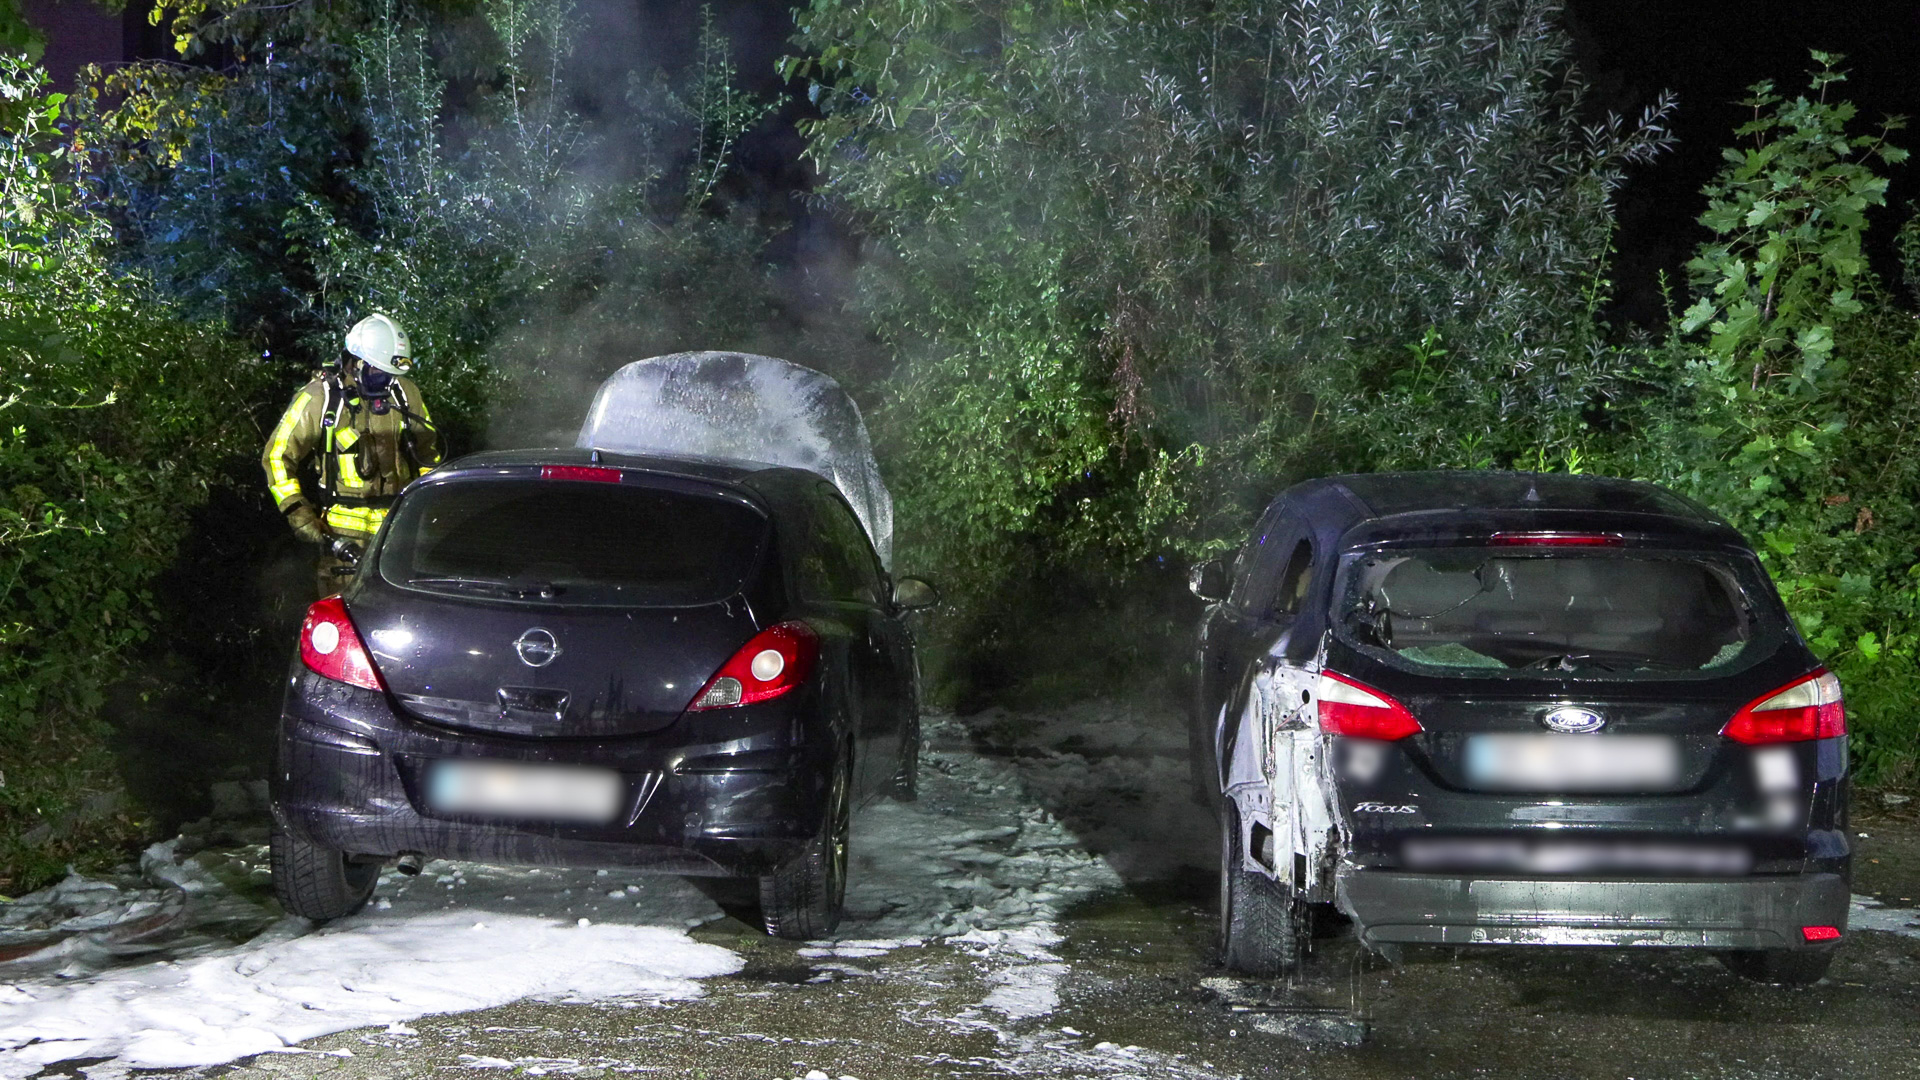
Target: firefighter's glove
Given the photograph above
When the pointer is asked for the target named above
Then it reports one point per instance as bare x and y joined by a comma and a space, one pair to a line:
307, 524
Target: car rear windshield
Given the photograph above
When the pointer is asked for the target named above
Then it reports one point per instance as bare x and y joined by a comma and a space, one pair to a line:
571, 542
1559, 613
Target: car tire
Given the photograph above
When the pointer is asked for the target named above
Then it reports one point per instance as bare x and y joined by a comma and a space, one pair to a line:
906, 782
1783, 967
802, 898
1260, 921
319, 883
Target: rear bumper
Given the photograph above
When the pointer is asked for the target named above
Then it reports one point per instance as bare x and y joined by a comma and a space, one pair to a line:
1742, 913
349, 775
673, 832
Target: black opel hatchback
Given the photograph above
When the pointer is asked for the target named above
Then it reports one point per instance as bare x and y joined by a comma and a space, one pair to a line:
1504, 708
565, 657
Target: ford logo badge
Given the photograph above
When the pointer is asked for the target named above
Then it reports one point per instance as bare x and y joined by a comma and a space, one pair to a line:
537, 647
1574, 721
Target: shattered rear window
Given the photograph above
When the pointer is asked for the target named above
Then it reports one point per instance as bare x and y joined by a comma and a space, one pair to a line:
1613, 614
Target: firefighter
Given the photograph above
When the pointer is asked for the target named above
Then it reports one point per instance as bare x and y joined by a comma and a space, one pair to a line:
368, 431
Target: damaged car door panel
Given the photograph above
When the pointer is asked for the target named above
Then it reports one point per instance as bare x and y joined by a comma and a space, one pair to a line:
1505, 708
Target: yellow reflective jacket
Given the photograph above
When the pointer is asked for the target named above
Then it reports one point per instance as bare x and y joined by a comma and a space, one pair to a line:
363, 458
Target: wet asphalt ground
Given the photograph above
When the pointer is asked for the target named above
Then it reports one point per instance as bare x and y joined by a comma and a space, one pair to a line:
1139, 995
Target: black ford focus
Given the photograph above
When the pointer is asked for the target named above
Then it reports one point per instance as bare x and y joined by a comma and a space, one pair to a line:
564, 657
1503, 708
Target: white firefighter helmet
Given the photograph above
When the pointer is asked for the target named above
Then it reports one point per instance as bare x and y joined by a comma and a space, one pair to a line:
379, 341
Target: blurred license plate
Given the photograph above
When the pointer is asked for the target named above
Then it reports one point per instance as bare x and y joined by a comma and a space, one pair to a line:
510, 789
1515, 854
1573, 762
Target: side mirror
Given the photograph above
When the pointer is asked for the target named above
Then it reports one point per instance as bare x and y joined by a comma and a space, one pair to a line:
1209, 580
914, 594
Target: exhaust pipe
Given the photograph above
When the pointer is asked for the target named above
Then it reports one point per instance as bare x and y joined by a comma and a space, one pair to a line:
409, 865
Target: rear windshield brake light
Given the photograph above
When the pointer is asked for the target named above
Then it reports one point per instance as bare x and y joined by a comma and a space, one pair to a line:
1807, 708
1556, 539
598, 474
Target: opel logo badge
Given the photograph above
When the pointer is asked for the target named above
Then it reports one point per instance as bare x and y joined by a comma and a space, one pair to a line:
537, 647
1570, 720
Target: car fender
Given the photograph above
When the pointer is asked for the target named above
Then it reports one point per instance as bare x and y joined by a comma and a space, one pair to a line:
1280, 778
1245, 782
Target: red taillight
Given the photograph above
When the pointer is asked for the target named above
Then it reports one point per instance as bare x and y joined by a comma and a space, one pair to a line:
598, 474
1807, 708
1820, 933
1555, 539
1359, 711
331, 647
778, 659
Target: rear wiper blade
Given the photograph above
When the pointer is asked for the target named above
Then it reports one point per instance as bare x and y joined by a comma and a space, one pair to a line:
511, 588
462, 582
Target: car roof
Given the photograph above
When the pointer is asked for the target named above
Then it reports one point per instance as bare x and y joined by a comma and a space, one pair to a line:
717, 470
1365, 507
775, 489
1385, 494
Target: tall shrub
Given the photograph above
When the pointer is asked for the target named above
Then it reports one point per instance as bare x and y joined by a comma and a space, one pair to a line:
1143, 263
1788, 395
116, 416
526, 246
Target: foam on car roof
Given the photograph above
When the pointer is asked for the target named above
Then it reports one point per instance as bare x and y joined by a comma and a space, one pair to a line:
747, 408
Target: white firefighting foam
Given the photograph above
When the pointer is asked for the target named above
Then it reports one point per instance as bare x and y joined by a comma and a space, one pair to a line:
745, 408
416, 953
974, 865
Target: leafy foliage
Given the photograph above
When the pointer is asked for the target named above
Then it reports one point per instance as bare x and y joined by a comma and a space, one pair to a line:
1785, 398
1787, 215
1144, 262
719, 111
17, 35
497, 230
115, 419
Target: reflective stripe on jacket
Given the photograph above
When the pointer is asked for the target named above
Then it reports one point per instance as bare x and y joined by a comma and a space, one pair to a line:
360, 456
356, 519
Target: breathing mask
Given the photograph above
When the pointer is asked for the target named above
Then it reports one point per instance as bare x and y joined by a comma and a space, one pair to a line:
375, 385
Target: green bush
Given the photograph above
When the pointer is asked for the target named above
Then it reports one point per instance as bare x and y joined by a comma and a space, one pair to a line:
116, 416
526, 250
1143, 264
1787, 394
